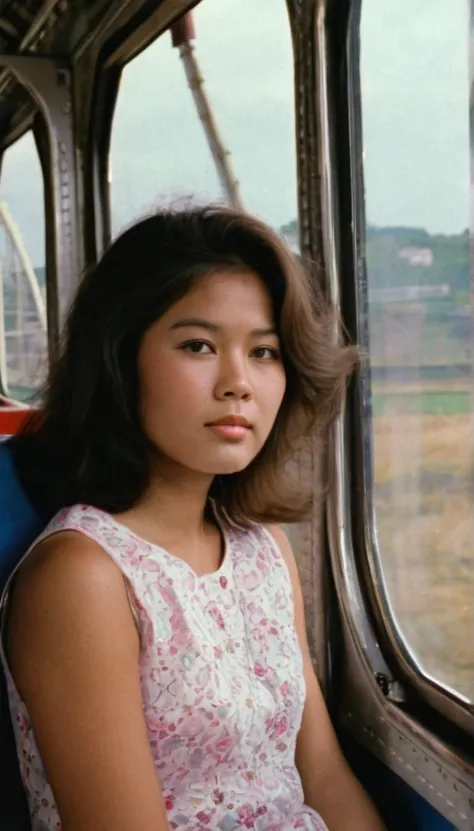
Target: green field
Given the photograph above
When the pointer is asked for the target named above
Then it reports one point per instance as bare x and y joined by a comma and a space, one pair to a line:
424, 402
423, 484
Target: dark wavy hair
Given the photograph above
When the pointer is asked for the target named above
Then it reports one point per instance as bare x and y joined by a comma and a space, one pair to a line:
87, 444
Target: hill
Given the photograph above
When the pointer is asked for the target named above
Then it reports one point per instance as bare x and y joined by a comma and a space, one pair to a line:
402, 256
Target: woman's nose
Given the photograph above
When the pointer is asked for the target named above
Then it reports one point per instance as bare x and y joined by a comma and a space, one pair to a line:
234, 383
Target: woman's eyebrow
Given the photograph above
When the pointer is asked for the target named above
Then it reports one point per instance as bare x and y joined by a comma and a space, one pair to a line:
199, 323
196, 322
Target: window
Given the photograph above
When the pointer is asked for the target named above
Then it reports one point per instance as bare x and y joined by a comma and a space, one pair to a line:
23, 338
415, 108
159, 150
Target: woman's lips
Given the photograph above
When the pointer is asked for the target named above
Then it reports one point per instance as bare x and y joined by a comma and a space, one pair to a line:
234, 432
232, 427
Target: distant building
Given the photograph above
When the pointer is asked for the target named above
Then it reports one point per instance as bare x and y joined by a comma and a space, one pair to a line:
417, 256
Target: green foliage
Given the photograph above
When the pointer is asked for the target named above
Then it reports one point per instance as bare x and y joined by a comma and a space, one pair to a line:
386, 268
290, 228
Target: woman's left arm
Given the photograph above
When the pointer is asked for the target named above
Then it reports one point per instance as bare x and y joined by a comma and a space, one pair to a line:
329, 785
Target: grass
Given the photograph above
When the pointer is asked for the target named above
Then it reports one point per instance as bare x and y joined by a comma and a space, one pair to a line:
424, 477
427, 402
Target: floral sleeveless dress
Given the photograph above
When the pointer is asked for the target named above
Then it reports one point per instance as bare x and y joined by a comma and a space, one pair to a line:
221, 676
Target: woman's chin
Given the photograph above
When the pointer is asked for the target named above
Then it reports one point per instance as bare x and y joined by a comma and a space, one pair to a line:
226, 463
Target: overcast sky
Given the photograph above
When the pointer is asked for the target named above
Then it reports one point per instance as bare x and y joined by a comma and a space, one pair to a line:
415, 108
416, 112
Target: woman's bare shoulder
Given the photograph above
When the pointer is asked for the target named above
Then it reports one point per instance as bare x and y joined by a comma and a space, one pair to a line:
64, 556
74, 653
67, 587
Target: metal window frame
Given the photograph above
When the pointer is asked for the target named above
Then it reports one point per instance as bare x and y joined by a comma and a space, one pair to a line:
446, 700
386, 701
128, 31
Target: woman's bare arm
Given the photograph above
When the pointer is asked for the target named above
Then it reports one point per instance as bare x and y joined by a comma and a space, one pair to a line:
329, 785
74, 655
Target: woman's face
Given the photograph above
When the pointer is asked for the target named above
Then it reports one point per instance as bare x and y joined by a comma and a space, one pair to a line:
211, 376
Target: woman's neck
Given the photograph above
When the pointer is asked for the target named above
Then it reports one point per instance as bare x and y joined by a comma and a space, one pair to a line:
174, 506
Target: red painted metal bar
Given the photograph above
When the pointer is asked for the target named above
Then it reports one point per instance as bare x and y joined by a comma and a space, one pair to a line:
12, 417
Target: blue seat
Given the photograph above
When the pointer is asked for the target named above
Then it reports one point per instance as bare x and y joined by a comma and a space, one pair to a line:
19, 522
19, 525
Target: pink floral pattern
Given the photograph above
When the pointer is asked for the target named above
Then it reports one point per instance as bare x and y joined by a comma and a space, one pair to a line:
222, 682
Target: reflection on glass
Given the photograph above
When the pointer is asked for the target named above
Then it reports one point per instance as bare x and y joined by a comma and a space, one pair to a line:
416, 147
23, 338
160, 153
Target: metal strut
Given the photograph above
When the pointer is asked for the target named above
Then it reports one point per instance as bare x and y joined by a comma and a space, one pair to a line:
49, 83
183, 33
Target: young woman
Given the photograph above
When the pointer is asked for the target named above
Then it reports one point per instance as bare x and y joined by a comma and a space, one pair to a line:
158, 671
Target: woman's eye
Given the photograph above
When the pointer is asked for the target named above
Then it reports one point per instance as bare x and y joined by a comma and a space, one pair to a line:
197, 347
266, 353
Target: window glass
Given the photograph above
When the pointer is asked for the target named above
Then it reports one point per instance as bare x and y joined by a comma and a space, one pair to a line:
159, 150
415, 107
23, 338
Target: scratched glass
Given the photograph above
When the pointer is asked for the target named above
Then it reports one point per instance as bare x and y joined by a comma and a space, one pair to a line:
415, 103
